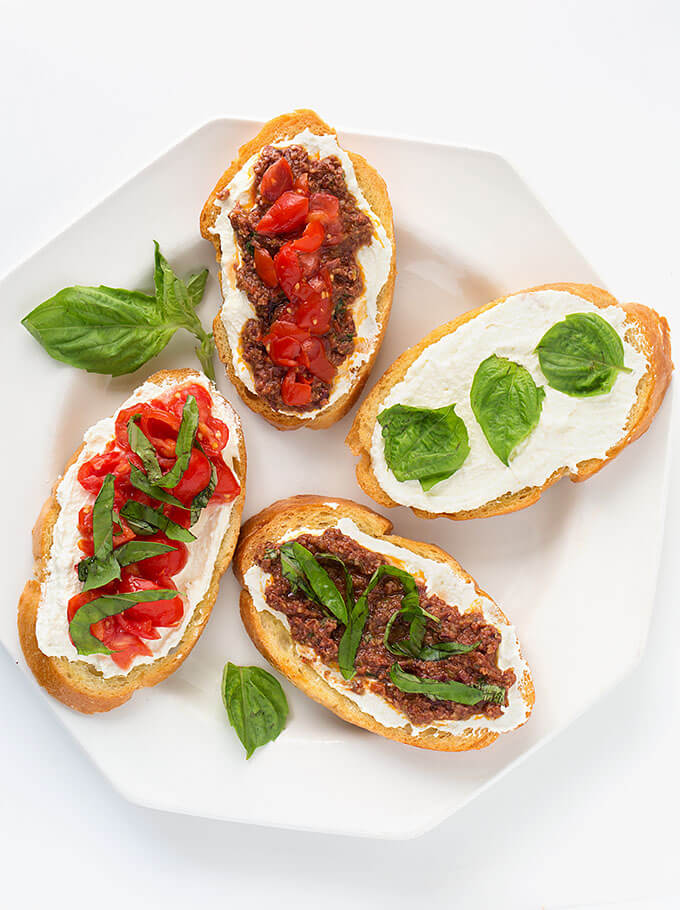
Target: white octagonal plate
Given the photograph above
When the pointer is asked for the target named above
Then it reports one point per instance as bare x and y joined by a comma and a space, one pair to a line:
574, 571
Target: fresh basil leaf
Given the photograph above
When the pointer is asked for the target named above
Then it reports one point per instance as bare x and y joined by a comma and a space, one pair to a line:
101, 568
102, 330
204, 352
256, 705
506, 402
139, 550
145, 520
202, 498
423, 444
292, 572
446, 691
139, 480
349, 584
319, 581
582, 355
186, 435
443, 649
196, 287
351, 637
107, 605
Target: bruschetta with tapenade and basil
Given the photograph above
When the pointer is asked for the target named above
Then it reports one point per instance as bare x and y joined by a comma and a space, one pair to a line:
390, 634
132, 542
304, 237
488, 411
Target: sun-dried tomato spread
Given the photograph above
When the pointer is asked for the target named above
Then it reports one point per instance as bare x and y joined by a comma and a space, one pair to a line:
206, 479
314, 627
298, 241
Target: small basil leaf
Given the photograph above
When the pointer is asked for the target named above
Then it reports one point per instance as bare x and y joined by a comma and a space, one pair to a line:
101, 568
423, 444
582, 355
102, 330
443, 649
145, 520
143, 448
196, 287
139, 480
204, 352
138, 550
108, 605
446, 691
256, 705
292, 572
320, 582
506, 402
349, 584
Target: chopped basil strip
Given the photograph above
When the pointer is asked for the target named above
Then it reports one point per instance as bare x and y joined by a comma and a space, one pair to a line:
102, 567
424, 444
108, 605
186, 435
506, 402
446, 691
139, 480
299, 562
139, 550
256, 705
145, 520
202, 498
582, 355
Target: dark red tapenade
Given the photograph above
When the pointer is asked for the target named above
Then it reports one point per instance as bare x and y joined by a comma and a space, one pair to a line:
310, 625
298, 241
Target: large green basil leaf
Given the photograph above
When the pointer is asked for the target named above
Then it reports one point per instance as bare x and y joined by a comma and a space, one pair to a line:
446, 691
102, 330
506, 402
582, 355
145, 520
107, 605
256, 705
143, 447
423, 444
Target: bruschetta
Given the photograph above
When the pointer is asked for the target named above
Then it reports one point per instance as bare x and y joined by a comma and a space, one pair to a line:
490, 410
130, 546
303, 234
390, 634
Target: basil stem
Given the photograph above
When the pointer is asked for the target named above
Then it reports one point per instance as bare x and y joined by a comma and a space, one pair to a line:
446, 691
146, 520
107, 605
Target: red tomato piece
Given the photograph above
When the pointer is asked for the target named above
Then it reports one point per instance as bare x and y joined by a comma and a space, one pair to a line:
282, 328
312, 238
302, 184
295, 392
287, 268
285, 352
309, 263
228, 486
122, 423
264, 266
194, 479
323, 207
315, 359
286, 215
112, 461
165, 564
276, 180
160, 427
164, 613
314, 314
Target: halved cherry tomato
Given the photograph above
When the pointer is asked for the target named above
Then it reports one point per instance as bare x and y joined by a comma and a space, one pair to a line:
122, 424
295, 392
302, 184
228, 486
276, 180
175, 399
323, 207
285, 352
160, 427
92, 473
194, 479
264, 266
314, 313
165, 564
161, 612
311, 239
288, 269
286, 215
282, 328
315, 359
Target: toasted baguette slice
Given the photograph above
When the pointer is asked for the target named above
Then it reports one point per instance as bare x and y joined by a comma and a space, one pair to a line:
77, 683
373, 188
274, 641
645, 331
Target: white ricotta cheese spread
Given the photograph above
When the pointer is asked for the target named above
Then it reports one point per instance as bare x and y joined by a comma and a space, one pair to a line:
569, 431
61, 580
441, 580
374, 259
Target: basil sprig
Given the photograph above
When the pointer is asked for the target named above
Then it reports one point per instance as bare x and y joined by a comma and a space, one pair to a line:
506, 402
582, 355
108, 605
142, 446
256, 705
424, 444
446, 691
115, 331
145, 520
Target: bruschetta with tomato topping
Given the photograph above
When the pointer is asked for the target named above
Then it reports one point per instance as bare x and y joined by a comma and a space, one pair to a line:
132, 542
303, 233
388, 633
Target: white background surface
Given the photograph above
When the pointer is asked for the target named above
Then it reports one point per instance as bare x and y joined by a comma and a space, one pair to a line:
583, 100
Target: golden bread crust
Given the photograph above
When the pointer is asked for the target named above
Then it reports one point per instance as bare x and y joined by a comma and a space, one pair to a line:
275, 642
645, 330
373, 187
76, 683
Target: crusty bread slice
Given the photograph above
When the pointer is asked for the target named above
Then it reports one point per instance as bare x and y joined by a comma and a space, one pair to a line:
645, 330
373, 187
274, 641
76, 683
